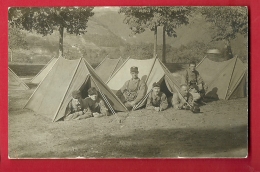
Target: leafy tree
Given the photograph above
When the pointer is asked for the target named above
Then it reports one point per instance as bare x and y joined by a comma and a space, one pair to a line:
227, 23
16, 40
141, 18
45, 20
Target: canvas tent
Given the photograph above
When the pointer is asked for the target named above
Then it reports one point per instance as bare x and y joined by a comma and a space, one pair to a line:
54, 93
42, 74
107, 67
14, 82
150, 71
225, 80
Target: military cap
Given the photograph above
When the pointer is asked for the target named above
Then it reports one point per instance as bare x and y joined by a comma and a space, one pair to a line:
76, 94
134, 69
156, 84
92, 91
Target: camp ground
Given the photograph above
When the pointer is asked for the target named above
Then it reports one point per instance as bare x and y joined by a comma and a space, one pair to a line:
98, 47
54, 93
107, 67
14, 82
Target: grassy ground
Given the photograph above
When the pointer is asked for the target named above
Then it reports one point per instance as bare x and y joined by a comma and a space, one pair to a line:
219, 131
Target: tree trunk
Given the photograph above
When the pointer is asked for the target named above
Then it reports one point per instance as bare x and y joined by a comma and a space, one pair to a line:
164, 46
61, 30
228, 51
155, 42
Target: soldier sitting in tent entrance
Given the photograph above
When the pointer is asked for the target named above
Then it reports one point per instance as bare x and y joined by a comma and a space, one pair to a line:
194, 81
133, 90
157, 100
94, 105
180, 100
75, 110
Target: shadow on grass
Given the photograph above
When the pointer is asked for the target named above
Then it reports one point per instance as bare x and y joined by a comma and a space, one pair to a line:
185, 142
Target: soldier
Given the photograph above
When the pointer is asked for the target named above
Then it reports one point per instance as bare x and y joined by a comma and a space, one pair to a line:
133, 90
179, 100
156, 100
194, 81
95, 106
75, 110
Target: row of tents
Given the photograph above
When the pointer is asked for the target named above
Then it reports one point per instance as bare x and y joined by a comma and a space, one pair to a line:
226, 80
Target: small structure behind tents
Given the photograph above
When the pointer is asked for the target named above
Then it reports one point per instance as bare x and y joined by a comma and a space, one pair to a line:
14, 82
107, 67
54, 93
150, 71
225, 80
42, 74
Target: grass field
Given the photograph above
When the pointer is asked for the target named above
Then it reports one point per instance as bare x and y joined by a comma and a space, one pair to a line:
220, 130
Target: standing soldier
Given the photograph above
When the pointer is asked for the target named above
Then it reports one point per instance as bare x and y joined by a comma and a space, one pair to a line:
133, 90
193, 80
156, 100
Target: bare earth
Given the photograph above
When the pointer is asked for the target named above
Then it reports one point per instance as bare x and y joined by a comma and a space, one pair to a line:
219, 131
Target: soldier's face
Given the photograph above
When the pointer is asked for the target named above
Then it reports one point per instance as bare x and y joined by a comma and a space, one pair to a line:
75, 102
192, 67
93, 97
184, 90
134, 75
156, 90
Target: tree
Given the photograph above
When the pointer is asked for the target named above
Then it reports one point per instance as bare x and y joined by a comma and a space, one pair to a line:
45, 20
16, 40
141, 18
227, 23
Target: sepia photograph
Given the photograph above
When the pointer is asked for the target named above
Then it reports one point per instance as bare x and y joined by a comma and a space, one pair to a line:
128, 82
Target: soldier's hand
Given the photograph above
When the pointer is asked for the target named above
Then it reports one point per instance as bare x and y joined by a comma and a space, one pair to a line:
132, 103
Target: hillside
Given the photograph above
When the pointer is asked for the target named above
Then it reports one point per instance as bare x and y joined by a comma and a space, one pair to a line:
108, 35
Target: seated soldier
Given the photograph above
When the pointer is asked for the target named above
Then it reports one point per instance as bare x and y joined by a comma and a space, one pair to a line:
133, 90
156, 100
195, 82
75, 110
179, 100
95, 106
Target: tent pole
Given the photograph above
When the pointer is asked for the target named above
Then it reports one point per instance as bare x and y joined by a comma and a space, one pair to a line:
66, 91
231, 77
104, 97
90, 68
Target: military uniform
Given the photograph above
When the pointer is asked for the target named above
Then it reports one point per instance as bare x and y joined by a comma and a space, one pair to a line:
178, 101
75, 110
195, 83
159, 100
133, 86
97, 106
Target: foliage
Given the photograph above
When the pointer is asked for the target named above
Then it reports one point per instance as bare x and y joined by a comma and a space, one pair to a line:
45, 20
16, 39
227, 21
141, 18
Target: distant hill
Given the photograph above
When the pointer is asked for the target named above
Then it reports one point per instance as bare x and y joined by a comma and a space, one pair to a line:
107, 34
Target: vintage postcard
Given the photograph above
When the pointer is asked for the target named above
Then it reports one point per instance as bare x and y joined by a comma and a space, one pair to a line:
128, 82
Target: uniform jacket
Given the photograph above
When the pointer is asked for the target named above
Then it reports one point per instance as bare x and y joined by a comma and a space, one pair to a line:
159, 100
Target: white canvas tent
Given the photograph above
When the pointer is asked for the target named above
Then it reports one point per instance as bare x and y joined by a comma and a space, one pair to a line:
42, 74
14, 82
150, 71
54, 93
225, 80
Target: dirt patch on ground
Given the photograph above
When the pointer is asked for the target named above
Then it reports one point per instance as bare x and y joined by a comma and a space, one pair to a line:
219, 131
